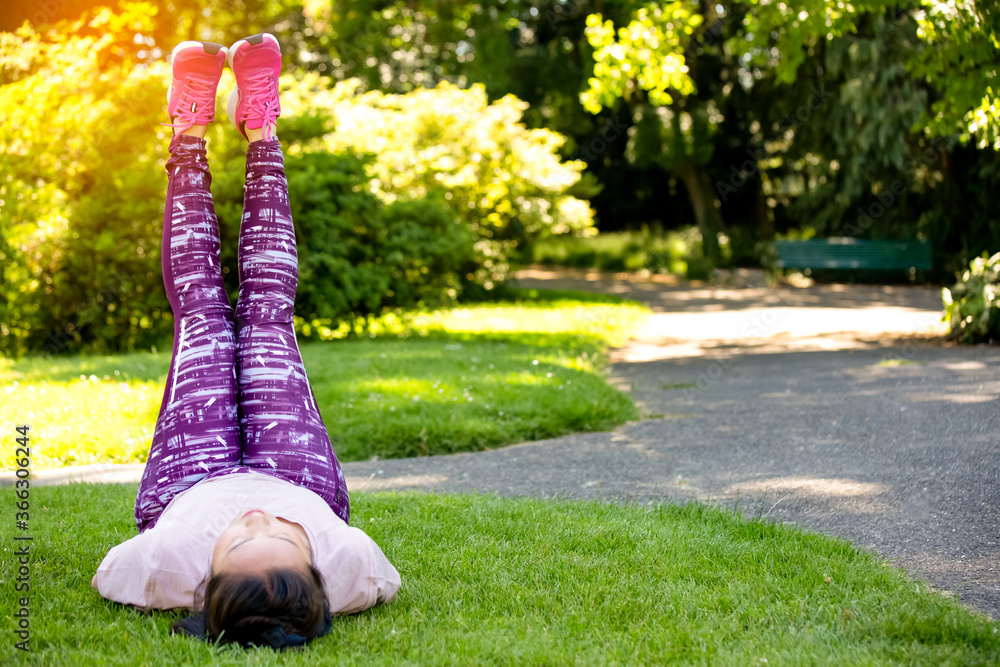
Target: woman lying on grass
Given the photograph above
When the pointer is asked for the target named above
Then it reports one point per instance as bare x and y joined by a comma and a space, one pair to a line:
242, 509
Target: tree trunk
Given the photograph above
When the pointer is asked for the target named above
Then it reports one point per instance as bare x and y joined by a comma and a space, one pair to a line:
765, 224
706, 208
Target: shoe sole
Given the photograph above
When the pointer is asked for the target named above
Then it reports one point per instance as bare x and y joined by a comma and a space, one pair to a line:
210, 48
234, 101
234, 97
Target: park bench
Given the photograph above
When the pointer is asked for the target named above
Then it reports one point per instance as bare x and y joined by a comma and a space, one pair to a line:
854, 254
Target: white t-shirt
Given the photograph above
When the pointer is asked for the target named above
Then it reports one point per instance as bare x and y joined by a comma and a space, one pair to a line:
160, 568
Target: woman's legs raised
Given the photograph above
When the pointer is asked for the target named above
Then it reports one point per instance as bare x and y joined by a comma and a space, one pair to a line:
282, 429
197, 431
283, 432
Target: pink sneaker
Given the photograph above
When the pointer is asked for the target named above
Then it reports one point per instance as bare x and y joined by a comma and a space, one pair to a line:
196, 68
256, 62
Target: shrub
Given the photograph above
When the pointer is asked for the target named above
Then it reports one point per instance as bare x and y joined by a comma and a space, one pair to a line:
971, 305
81, 191
81, 201
504, 181
652, 249
357, 256
767, 254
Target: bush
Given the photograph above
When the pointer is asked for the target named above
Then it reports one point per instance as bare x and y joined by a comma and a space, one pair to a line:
504, 181
971, 306
81, 191
767, 254
82, 183
676, 252
356, 256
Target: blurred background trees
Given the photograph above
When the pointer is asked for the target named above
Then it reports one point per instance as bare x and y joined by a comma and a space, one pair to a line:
465, 136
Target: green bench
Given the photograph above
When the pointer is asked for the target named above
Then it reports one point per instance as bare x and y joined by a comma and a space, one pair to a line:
854, 254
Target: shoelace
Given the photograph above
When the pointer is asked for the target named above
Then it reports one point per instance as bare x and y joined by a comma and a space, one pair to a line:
197, 103
262, 103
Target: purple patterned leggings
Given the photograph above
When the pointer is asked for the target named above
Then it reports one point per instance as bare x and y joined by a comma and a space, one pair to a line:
237, 396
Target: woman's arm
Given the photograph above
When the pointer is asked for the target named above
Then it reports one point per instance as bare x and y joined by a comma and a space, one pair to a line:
356, 574
145, 573
386, 577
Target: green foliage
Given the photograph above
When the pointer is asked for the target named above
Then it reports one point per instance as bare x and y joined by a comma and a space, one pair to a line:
533, 49
357, 256
962, 62
972, 306
753, 65
648, 55
505, 182
909, 97
649, 249
779, 36
396, 45
643, 66
855, 151
854, 154
81, 195
460, 184
959, 56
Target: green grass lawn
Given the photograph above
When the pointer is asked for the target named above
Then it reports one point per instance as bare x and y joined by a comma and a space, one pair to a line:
496, 581
461, 379
485, 580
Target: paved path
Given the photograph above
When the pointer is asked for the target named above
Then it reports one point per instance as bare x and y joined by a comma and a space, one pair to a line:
833, 407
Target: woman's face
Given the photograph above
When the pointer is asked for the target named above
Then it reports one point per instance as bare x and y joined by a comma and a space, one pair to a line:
257, 541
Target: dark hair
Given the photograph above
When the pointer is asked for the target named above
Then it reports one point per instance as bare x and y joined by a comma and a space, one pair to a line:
281, 608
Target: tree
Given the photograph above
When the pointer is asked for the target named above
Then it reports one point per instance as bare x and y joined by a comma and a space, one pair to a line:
961, 58
644, 65
961, 62
913, 103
